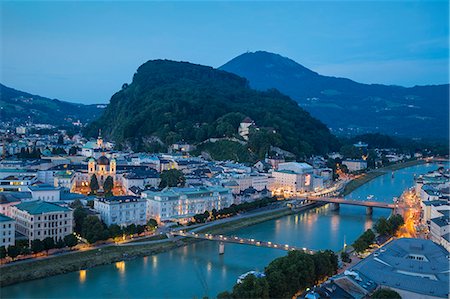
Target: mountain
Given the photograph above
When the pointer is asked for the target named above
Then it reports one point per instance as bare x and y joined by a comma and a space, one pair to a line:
170, 101
348, 106
18, 106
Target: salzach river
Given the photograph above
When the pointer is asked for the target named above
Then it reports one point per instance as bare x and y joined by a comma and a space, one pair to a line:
198, 270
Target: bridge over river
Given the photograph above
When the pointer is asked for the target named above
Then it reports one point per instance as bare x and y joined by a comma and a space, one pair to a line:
238, 240
336, 201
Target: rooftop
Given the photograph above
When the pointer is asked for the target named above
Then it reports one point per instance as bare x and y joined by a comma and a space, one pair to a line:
4, 218
416, 265
40, 207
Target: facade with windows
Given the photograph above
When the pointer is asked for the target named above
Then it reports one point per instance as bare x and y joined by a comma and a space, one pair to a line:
7, 231
121, 210
181, 204
41, 219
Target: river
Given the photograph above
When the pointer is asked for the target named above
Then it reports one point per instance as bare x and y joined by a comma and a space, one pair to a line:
198, 270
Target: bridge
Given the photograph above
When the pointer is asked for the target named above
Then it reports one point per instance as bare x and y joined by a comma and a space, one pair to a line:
337, 201
238, 240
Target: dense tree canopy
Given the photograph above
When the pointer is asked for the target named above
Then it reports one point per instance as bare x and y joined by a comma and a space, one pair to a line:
181, 101
172, 178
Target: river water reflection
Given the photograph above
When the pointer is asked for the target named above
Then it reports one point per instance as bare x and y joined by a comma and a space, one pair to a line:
198, 270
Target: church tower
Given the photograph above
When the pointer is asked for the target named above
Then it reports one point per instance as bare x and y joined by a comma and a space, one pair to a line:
100, 139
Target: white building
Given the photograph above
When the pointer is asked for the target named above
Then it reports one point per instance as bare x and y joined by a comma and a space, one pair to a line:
45, 192
140, 180
7, 231
244, 127
355, 165
121, 210
181, 204
17, 182
292, 177
41, 219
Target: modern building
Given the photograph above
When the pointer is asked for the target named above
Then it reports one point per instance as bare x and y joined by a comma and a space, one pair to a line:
415, 268
121, 210
355, 165
7, 231
181, 204
292, 177
17, 182
40, 219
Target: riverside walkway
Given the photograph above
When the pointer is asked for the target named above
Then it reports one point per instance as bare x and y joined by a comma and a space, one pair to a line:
238, 240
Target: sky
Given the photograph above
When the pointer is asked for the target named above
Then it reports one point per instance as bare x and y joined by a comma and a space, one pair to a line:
84, 51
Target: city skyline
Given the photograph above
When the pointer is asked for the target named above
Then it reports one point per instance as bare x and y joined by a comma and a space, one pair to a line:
48, 51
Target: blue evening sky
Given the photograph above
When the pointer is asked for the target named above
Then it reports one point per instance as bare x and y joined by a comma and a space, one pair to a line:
85, 51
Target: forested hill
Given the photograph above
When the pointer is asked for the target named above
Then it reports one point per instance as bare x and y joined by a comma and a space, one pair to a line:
170, 101
343, 104
18, 106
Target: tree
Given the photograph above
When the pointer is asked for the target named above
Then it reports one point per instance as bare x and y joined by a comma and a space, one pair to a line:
13, 251
60, 139
94, 229
73, 150
364, 241
251, 287
385, 293
70, 240
60, 243
152, 224
48, 243
2, 252
140, 229
172, 178
130, 229
94, 184
108, 185
76, 204
345, 257
37, 246
383, 227
79, 214
115, 231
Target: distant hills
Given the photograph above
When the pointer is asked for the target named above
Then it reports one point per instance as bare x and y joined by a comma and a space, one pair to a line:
348, 106
170, 101
18, 106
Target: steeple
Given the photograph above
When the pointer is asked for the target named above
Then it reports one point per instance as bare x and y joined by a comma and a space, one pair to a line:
100, 139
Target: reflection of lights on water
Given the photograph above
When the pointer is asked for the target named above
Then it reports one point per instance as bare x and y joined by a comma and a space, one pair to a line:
82, 276
121, 267
155, 261
145, 260
209, 266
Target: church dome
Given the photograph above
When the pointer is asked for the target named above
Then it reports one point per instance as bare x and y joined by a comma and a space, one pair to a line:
103, 161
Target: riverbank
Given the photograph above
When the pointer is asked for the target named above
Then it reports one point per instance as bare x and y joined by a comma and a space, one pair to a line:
15, 273
30, 270
367, 177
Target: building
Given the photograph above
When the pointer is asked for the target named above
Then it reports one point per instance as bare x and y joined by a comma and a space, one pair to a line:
7, 231
121, 210
244, 127
64, 179
41, 219
45, 192
415, 268
439, 227
291, 178
355, 165
141, 179
17, 182
181, 204
6, 201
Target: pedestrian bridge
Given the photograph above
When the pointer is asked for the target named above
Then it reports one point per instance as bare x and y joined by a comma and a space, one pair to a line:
238, 240
337, 201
